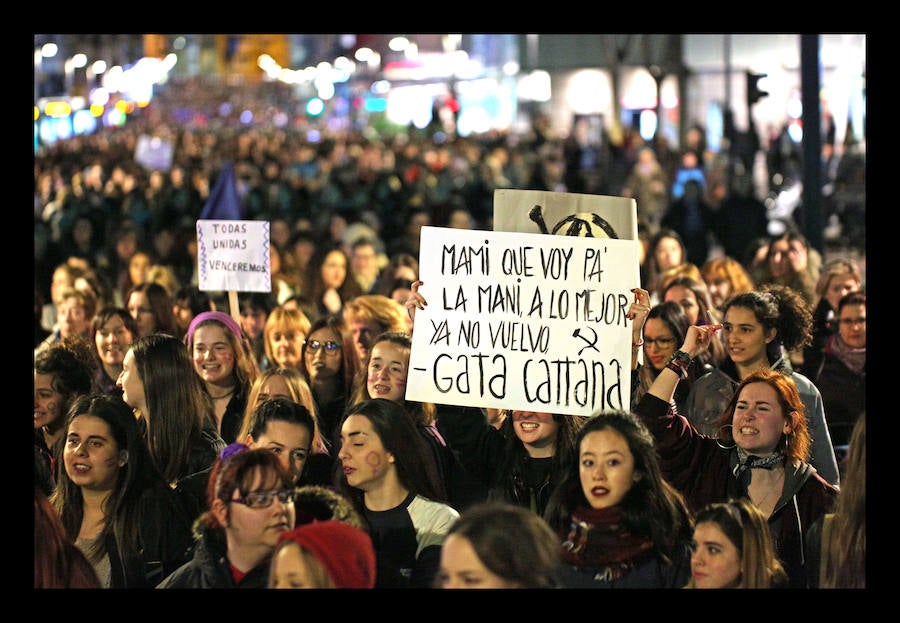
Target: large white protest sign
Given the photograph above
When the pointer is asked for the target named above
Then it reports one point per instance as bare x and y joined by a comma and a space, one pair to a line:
234, 255
524, 321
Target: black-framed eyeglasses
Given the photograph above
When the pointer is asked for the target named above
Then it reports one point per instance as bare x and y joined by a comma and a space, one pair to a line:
661, 342
330, 346
264, 499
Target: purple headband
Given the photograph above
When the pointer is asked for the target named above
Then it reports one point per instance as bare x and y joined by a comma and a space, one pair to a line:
231, 449
222, 317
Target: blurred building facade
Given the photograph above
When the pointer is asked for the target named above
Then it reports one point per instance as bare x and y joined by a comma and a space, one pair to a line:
655, 82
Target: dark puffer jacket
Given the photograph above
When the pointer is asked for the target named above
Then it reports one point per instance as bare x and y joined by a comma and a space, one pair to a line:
209, 566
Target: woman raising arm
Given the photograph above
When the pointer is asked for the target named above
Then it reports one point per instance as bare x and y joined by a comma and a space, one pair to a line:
762, 452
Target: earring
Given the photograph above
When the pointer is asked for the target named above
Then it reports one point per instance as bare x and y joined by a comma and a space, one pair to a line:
719, 436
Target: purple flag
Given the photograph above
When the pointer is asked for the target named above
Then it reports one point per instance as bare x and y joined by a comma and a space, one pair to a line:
224, 204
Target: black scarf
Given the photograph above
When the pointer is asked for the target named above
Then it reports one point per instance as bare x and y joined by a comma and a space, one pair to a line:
747, 462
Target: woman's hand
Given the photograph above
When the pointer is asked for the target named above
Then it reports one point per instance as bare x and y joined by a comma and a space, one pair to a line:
415, 300
332, 300
698, 338
637, 313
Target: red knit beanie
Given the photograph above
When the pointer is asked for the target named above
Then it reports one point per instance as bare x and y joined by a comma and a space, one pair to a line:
345, 551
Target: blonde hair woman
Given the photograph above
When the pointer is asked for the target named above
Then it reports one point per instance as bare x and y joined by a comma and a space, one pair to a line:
285, 333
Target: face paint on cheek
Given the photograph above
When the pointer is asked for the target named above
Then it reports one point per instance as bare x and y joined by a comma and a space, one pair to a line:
373, 460
54, 413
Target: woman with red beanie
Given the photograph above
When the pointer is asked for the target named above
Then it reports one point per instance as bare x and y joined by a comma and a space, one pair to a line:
323, 554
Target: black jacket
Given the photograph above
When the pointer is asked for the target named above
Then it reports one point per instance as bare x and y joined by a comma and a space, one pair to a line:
843, 395
165, 542
493, 472
209, 567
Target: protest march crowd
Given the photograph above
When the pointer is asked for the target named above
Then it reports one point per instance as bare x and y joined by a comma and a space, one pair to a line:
193, 437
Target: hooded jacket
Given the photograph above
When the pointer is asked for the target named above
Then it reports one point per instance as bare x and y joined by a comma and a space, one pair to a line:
209, 566
703, 471
710, 394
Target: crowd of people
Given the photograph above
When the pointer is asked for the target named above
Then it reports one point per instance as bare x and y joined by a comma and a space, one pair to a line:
180, 443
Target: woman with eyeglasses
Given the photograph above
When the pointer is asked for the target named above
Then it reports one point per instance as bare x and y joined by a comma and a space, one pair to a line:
759, 329
839, 277
841, 376
665, 328
251, 504
331, 365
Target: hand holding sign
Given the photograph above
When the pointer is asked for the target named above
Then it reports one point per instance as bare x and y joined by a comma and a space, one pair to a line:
415, 301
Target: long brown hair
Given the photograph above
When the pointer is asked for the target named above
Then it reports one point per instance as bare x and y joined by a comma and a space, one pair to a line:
748, 530
844, 554
176, 400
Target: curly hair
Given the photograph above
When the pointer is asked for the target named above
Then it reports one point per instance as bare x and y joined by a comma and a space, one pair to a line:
781, 308
72, 364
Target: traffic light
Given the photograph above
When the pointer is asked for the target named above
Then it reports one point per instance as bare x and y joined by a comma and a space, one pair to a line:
754, 94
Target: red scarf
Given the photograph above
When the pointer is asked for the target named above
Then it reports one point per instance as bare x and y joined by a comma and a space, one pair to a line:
597, 538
